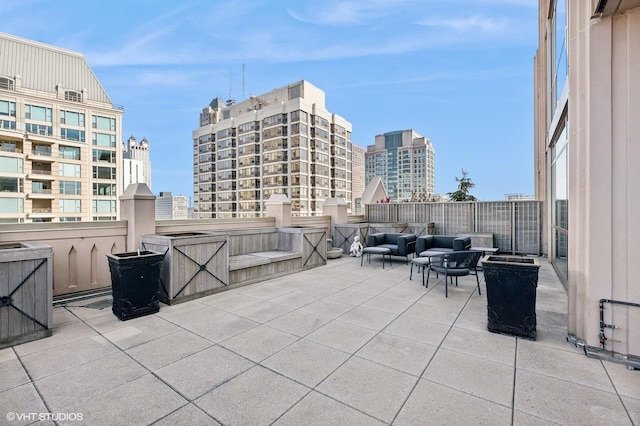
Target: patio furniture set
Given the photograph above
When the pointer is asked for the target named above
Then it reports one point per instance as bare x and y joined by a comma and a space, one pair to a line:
452, 256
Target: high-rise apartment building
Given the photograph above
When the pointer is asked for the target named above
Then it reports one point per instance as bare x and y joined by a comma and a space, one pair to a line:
136, 163
357, 168
358, 180
405, 161
170, 206
281, 142
59, 159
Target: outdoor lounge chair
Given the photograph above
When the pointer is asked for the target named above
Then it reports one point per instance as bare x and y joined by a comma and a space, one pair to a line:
455, 264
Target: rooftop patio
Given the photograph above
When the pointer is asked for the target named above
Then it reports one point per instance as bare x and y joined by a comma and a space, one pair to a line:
337, 344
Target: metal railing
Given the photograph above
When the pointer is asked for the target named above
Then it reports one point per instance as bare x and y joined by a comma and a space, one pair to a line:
42, 152
10, 149
41, 190
41, 210
41, 172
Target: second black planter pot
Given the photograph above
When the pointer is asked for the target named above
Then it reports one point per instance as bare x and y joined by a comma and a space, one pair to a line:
511, 294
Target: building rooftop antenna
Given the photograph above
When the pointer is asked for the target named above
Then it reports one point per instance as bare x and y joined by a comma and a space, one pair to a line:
230, 100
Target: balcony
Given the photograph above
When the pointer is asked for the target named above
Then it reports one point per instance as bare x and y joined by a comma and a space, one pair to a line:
41, 213
10, 148
41, 193
41, 154
40, 175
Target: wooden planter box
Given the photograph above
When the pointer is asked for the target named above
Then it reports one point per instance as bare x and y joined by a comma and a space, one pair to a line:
195, 264
344, 234
26, 292
311, 241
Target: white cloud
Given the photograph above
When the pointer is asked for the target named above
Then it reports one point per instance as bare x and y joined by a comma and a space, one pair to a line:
471, 23
348, 13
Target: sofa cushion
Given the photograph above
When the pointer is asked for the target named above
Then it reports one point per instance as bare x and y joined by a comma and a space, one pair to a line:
391, 238
393, 248
443, 241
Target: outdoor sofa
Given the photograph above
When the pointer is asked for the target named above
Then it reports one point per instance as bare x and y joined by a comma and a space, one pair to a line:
397, 243
435, 244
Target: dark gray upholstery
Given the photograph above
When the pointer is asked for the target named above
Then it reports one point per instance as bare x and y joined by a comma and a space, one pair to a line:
441, 243
399, 244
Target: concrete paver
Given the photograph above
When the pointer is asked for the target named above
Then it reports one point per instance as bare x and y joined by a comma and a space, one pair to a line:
340, 344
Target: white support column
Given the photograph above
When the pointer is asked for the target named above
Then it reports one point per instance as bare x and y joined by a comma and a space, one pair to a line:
337, 209
279, 207
138, 208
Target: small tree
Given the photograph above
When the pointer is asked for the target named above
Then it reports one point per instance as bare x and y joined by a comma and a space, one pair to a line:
464, 185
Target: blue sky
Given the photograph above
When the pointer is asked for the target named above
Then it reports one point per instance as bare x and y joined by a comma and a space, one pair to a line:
459, 72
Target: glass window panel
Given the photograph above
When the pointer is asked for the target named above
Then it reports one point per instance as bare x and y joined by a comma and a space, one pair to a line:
103, 123
72, 118
34, 112
10, 165
70, 152
11, 205
69, 170
104, 206
69, 206
70, 188
103, 139
8, 108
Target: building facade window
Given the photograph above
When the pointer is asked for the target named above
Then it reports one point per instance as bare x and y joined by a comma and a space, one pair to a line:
38, 113
71, 118
70, 188
40, 187
11, 184
558, 47
11, 205
7, 83
70, 219
69, 170
560, 200
103, 139
39, 129
104, 206
103, 123
7, 108
72, 134
102, 155
104, 172
70, 206
106, 189
11, 165
72, 96
69, 152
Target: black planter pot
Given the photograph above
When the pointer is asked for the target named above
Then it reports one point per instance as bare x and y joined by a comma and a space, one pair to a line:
511, 294
135, 283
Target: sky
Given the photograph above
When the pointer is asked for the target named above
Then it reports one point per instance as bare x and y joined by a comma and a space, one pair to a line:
459, 72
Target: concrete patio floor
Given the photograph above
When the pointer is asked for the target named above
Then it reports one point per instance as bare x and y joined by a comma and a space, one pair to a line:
340, 344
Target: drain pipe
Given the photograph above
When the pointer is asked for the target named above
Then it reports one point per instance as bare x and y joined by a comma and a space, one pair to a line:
631, 361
